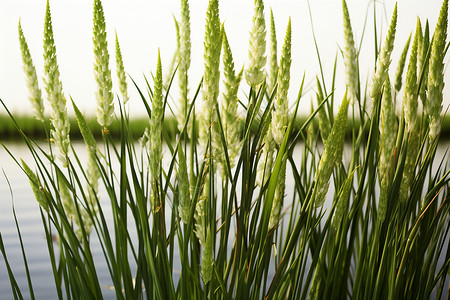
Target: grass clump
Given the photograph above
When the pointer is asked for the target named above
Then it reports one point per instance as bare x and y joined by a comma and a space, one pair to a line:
218, 205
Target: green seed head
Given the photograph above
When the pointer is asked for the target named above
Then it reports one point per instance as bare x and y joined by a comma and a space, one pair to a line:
36, 186
423, 65
184, 58
410, 164
387, 130
230, 122
435, 73
200, 220
281, 108
384, 58
257, 48
332, 154
105, 104
410, 97
183, 187
273, 58
55, 96
66, 198
156, 124
123, 86
213, 45
174, 62
185, 38
31, 78
401, 66
70, 209
342, 201
350, 56
277, 205
93, 172
324, 123
267, 159
207, 258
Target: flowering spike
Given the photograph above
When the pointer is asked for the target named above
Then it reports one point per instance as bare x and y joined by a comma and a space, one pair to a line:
213, 45
410, 96
423, 65
332, 153
324, 123
55, 96
183, 187
174, 62
184, 58
230, 122
435, 73
401, 66
32, 81
35, 183
387, 130
277, 205
342, 201
281, 111
92, 172
257, 48
267, 160
156, 124
105, 104
410, 164
273, 60
121, 73
207, 258
384, 58
350, 56
200, 220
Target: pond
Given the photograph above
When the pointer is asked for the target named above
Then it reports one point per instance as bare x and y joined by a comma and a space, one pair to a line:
20, 195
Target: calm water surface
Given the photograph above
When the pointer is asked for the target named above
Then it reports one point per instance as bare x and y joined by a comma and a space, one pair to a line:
32, 231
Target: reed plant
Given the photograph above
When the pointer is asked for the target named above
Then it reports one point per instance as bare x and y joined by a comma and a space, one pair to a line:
210, 216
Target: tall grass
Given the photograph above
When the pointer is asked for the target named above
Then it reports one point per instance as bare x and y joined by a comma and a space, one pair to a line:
219, 209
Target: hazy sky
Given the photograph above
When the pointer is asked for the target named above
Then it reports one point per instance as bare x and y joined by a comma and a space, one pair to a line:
145, 25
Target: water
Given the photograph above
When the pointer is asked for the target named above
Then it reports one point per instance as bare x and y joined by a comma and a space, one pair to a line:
27, 210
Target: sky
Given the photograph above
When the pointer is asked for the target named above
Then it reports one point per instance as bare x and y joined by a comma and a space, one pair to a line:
144, 26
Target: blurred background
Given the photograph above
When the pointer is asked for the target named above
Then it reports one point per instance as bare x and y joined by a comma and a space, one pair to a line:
143, 26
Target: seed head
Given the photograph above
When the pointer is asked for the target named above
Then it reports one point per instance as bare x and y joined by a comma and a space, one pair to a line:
387, 130
156, 124
423, 65
183, 187
410, 97
273, 58
384, 58
230, 121
35, 94
184, 58
123, 86
277, 205
55, 96
257, 47
324, 123
281, 108
105, 104
207, 258
401, 66
36, 186
213, 45
350, 56
435, 74
332, 153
